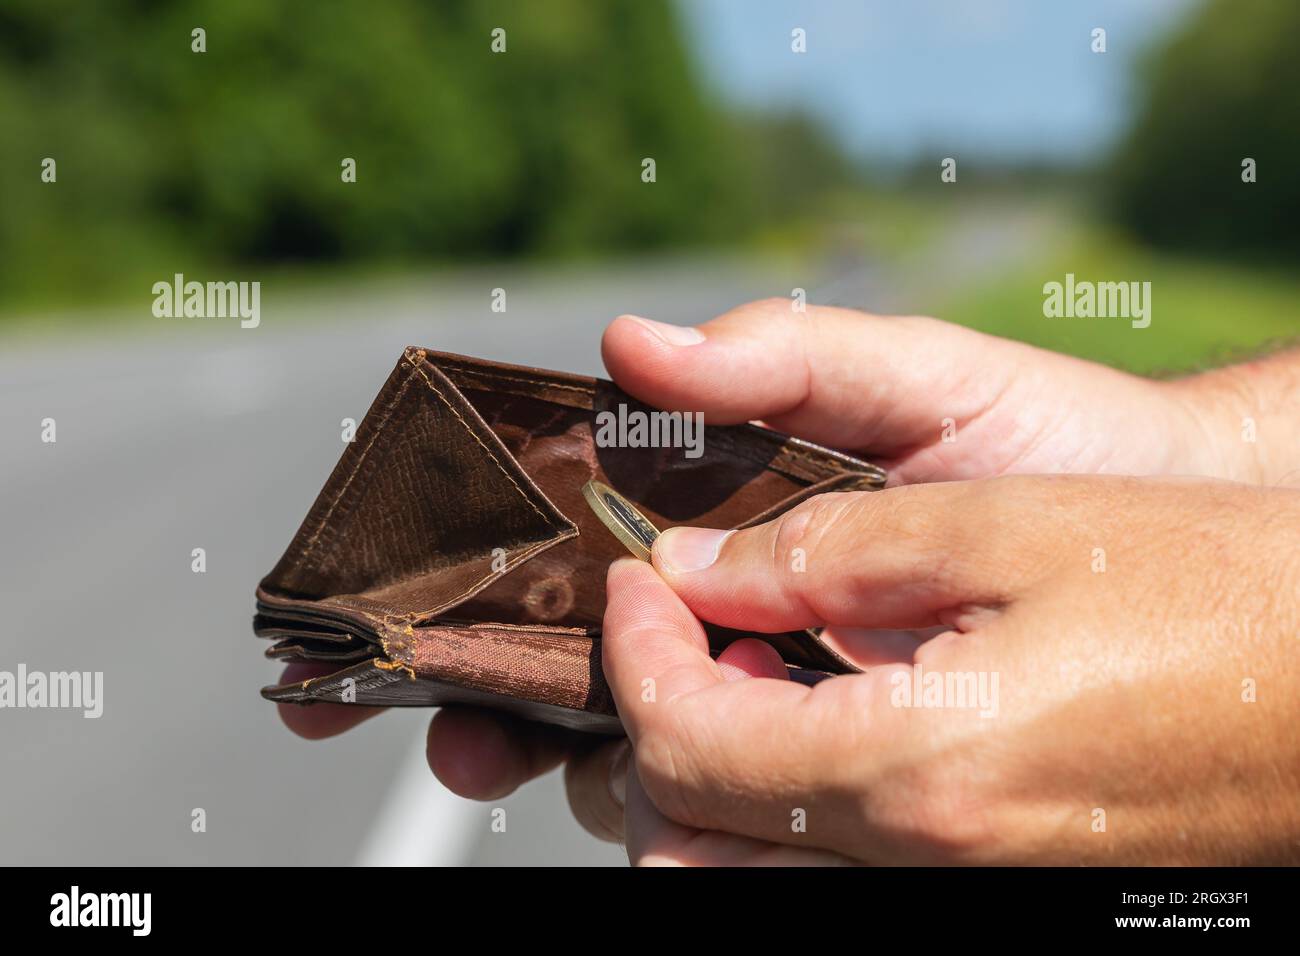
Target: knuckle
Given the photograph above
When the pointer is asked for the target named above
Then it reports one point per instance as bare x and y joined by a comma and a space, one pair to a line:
807, 525
789, 534
819, 536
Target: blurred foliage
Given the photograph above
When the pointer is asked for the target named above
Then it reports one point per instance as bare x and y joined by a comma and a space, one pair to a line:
170, 160
1224, 86
798, 166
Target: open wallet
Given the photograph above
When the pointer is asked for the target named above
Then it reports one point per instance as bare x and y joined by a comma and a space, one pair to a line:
451, 557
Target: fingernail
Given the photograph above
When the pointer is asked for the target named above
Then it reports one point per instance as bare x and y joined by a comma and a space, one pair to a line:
618, 776
672, 334
689, 549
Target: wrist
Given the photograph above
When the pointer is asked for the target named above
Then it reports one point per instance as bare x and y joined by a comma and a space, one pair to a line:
1218, 424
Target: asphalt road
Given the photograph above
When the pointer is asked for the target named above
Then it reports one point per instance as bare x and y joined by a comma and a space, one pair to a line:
176, 434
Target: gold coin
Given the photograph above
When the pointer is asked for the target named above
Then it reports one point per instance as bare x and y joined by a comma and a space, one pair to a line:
621, 517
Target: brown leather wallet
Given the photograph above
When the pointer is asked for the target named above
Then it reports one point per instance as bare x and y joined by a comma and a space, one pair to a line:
452, 558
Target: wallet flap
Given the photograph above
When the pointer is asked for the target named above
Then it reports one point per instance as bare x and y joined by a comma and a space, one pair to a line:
399, 532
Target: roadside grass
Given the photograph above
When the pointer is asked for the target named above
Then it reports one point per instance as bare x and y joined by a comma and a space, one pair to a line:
878, 223
1202, 313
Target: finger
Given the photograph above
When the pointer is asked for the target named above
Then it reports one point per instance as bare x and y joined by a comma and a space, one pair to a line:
750, 657
654, 840
596, 783
319, 720
485, 755
738, 755
836, 376
908, 557
652, 648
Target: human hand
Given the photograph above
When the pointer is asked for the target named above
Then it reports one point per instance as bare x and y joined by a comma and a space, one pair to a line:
1155, 693
883, 386
932, 401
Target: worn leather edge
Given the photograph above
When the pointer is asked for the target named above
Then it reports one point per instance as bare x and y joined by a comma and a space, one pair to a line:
376, 686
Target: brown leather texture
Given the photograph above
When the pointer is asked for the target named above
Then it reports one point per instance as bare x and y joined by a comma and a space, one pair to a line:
451, 557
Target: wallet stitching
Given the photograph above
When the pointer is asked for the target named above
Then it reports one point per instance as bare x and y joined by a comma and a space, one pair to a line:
550, 522
310, 547
505, 377
811, 454
818, 458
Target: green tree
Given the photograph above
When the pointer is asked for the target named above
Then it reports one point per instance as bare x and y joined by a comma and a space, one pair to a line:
169, 160
1224, 88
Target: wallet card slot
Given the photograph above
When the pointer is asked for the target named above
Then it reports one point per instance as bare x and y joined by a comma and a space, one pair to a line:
275, 626
305, 649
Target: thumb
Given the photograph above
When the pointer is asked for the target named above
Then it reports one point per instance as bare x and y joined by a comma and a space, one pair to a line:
835, 376
899, 558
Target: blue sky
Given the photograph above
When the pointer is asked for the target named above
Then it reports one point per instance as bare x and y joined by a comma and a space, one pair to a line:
998, 79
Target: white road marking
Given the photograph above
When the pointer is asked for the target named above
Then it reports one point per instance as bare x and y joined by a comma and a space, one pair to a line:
421, 822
